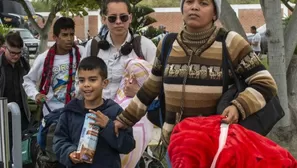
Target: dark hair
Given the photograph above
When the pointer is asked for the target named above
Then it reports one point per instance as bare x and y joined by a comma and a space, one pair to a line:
2, 40
63, 23
14, 39
104, 7
92, 63
253, 28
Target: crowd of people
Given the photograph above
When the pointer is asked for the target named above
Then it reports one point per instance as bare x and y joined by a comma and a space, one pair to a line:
117, 75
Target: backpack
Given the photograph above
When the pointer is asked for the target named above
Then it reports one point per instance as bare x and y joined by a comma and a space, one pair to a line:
136, 46
30, 146
46, 157
156, 110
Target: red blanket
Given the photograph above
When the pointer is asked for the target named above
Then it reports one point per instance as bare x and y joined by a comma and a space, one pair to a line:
194, 143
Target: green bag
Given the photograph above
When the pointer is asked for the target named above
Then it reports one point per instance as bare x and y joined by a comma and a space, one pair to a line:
30, 149
26, 151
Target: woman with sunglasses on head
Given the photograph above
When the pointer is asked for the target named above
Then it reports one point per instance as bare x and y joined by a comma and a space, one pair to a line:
193, 77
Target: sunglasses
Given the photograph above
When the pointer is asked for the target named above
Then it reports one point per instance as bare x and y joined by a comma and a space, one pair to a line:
113, 18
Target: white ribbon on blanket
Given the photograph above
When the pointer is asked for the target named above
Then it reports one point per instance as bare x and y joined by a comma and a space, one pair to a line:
222, 141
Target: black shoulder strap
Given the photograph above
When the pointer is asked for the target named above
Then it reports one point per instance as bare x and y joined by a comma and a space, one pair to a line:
166, 48
94, 47
25, 64
165, 51
227, 65
225, 55
1, 55
137, 47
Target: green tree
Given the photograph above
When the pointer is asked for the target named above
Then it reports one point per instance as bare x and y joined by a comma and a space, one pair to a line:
65, 7
140, 16
40, 6
176, 3
4, 29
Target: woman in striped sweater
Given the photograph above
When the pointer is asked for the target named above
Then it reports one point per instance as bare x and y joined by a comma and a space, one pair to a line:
197, 54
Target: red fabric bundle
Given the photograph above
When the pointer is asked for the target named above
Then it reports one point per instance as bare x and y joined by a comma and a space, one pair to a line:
194, 143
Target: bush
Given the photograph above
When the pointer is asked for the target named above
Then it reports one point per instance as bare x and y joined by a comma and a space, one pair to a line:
4, 29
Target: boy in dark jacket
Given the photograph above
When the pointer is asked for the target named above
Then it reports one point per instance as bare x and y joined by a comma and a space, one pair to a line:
92, 74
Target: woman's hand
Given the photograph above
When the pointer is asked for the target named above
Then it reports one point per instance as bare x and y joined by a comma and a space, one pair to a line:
131, 86
101, 120
74, 157
231, 115
118, 125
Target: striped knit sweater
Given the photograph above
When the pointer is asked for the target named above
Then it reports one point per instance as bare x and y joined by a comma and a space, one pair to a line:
203, 87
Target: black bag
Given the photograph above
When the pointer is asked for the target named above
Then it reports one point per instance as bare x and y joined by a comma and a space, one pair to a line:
262, 121
156, 110
46, 157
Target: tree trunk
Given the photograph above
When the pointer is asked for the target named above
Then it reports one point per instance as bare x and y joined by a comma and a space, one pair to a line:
291, 37
284, 133
43, 42
229, 19
292, 97
42, 31
287, 136
276, 53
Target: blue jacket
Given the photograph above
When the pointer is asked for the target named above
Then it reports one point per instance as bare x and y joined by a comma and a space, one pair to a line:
109, 146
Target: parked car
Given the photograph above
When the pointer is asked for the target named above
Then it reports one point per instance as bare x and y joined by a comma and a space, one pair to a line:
264, 44
30, 41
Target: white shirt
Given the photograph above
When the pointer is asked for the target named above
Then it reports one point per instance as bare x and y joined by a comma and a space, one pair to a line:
57, 91
115, 62
256, 38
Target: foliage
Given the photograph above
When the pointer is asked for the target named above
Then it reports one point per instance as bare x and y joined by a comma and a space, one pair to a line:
293, 1
78, 7
176, 3
243, 1
265, 62
140, 16
4, 29
152, 33
160, 3
40, 6
67, 7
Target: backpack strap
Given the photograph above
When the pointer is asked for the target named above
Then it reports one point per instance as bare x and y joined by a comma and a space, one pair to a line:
25, 64
137, 47
165, 51
166, 48
94, 47
1, 55
225, 55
